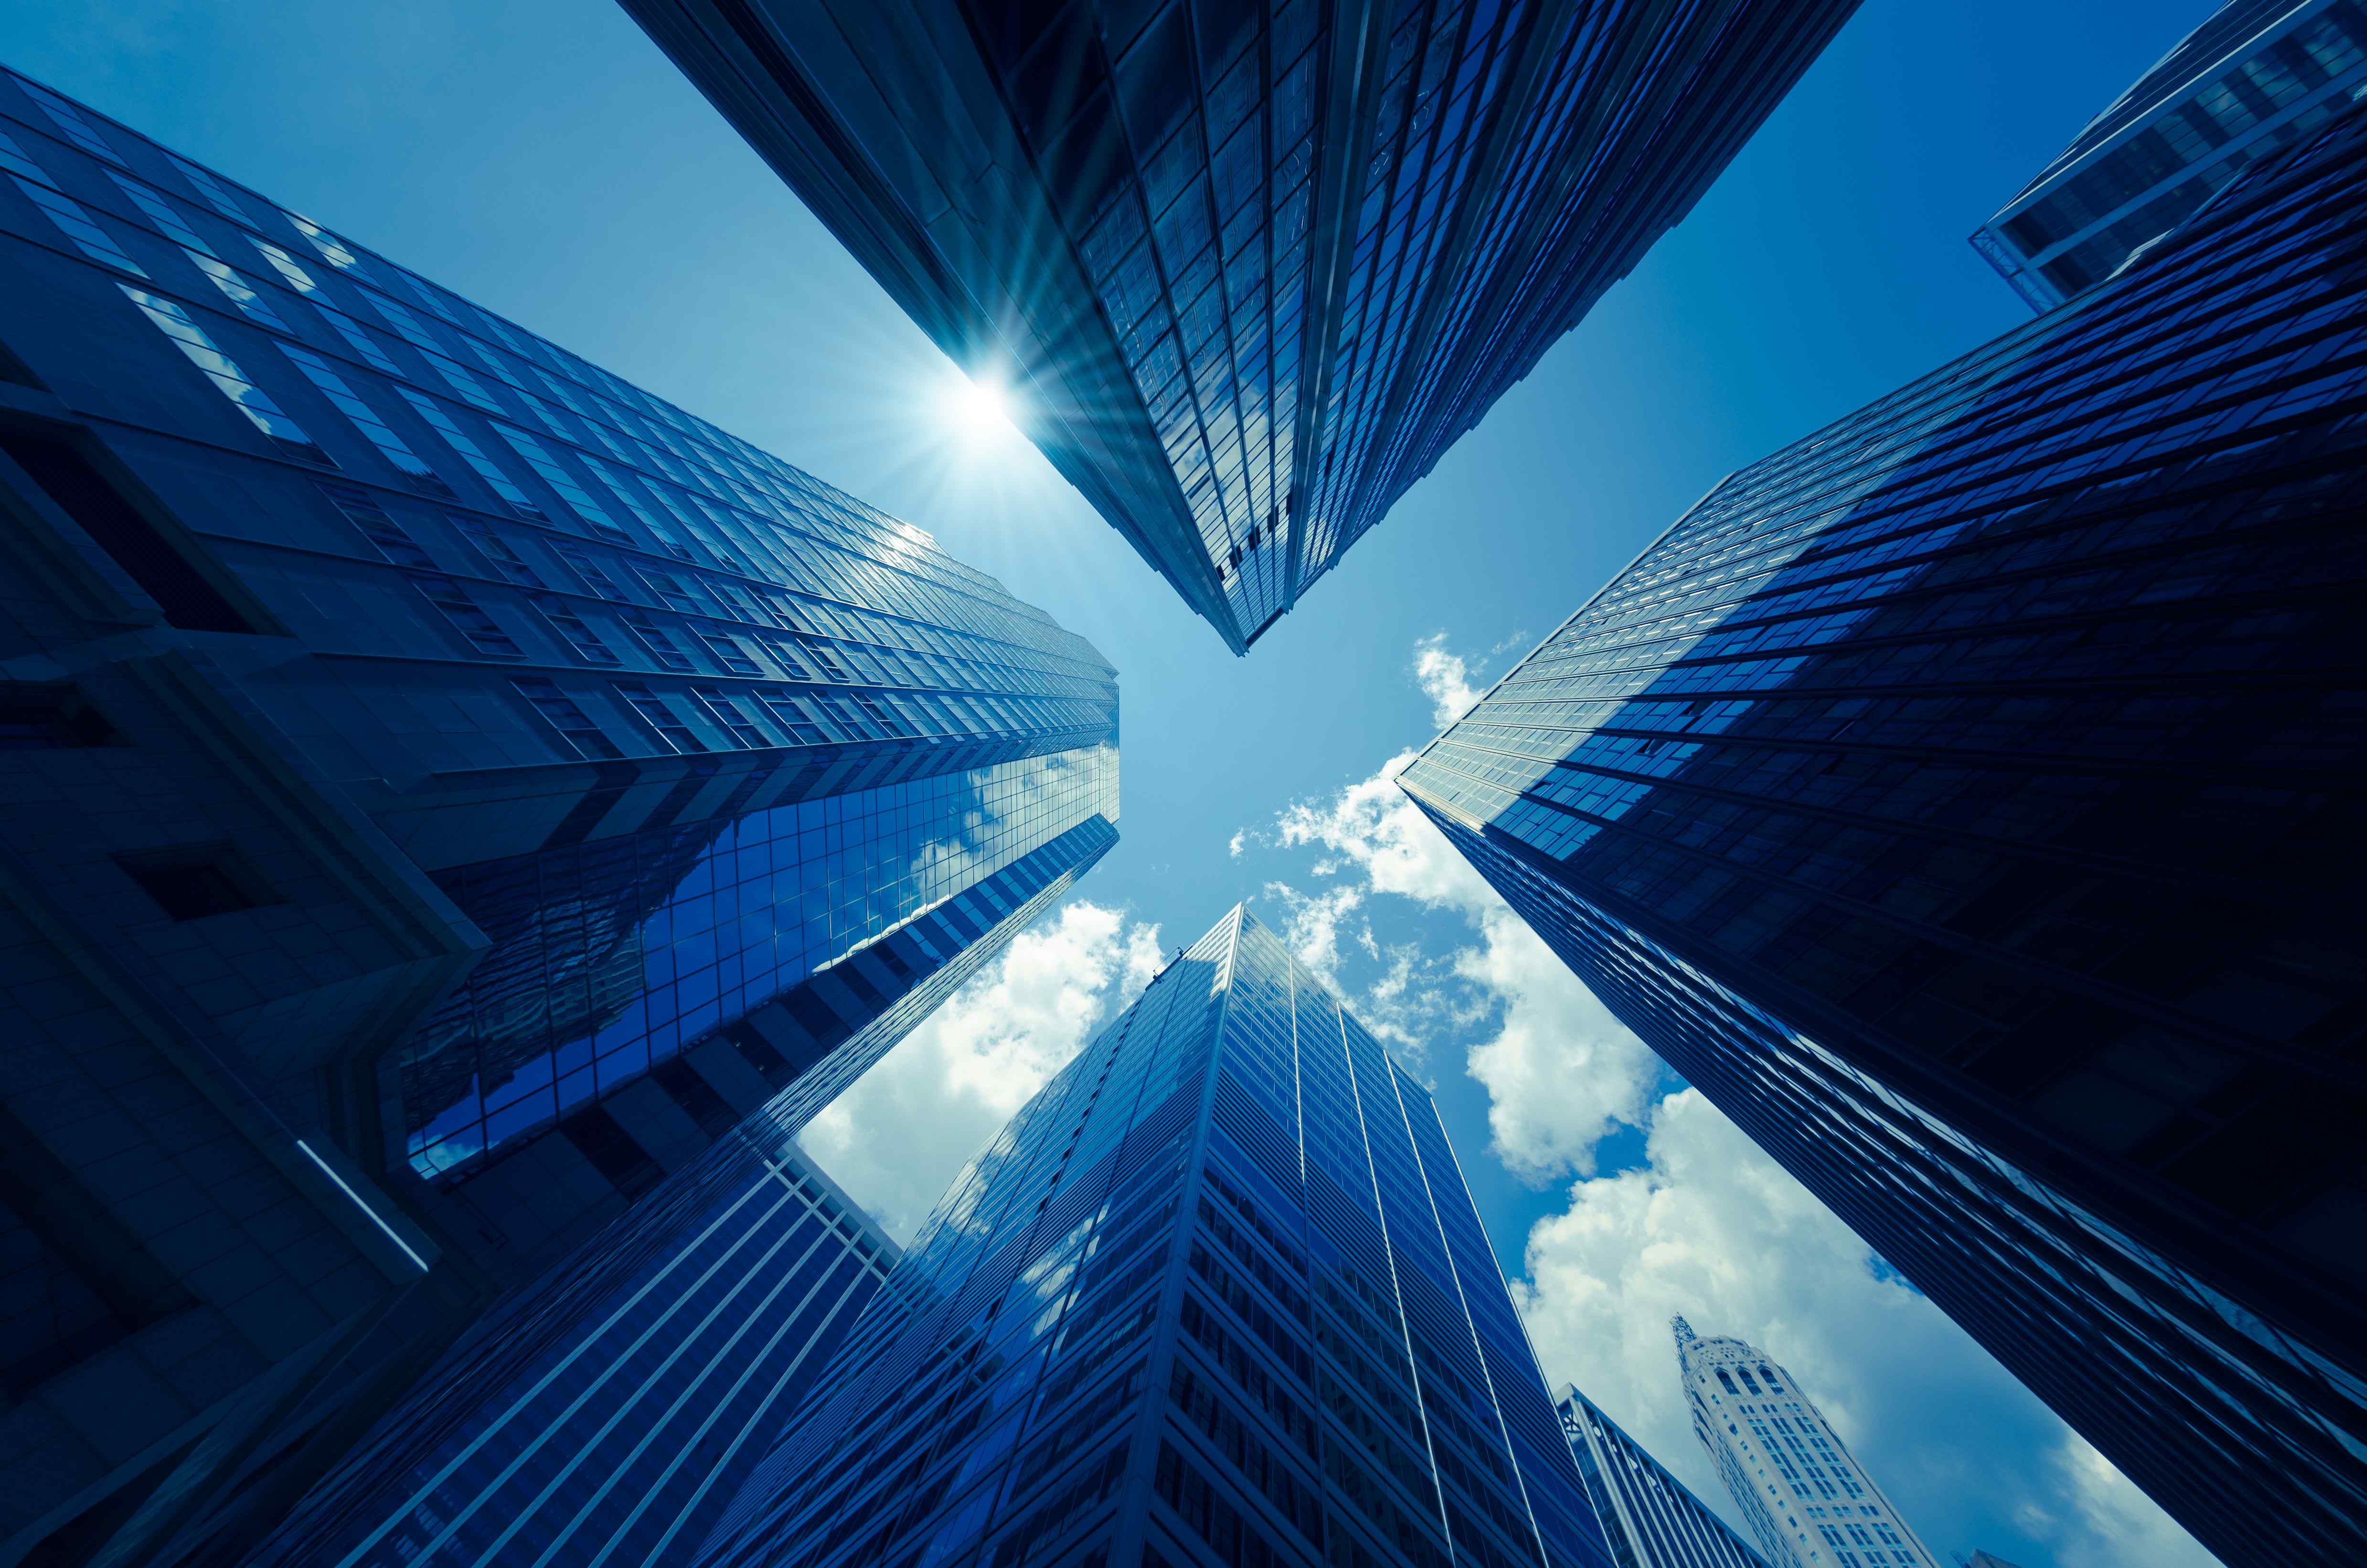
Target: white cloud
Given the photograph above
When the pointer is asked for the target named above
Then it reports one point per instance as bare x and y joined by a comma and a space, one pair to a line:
1446, 678
1562, 1074
898, 1135
1712, 1228
1372, 827
1234, 848
2122, 1522
1311, 922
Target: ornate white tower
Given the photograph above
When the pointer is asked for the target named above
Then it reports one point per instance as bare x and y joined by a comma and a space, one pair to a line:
1803, 1496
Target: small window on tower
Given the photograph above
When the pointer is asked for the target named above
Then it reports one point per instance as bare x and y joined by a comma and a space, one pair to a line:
191, 881
50, 715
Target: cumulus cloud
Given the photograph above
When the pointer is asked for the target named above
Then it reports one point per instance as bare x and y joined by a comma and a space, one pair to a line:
898, 1135
1234, 848
1712, 1228
1370, 828
1311, 924
1446, 678
1561, 1072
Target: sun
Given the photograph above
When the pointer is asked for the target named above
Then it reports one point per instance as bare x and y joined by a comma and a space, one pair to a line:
977, 412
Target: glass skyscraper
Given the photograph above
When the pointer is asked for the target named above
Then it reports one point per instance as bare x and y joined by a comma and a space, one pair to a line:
1250, 267
1965, 799
1808, 1499
2253, 76
449, 790
606, 1422
1217, 1296
1651, 1517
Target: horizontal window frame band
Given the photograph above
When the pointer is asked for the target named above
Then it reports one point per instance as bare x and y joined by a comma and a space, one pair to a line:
510, 518
2348, 1075
2163, 609
1918, 827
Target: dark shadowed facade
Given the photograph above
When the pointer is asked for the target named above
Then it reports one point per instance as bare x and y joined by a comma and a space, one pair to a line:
1966, 797
447, 790
1251, 268
1215, 1297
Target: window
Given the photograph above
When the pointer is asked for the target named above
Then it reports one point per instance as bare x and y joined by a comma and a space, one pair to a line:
469, 617
427, 294
595, 575
49, 716
669, 593
572, 723
726, 651
793, 717
401, 318
362, 509
152, 562
784, 657
333, 250
360, 341
732, 718
228, 378
70, 119
654, 637
825, 660
492, 361
573, 629
241, 293
217, 194
883, 714
365, 419
67, 214
471, 388
162, 213
472, 454
539, 458
490, 544
285, 264
192, 881
658, 531
659, 717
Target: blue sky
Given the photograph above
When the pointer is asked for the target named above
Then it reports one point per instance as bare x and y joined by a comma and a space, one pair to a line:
542, 158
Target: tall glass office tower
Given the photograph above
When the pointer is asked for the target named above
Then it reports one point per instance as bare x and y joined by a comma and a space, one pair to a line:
1964, 798
1217, 1296
1651, 1517
448, 789
1250, 265
2253, 76
1808, 1499
606, 1422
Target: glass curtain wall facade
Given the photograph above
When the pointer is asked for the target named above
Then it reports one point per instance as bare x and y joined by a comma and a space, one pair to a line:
2253, 76
1249, 267
456, 780
1215, 1296
1651, 1519
606, 1422
1961, 797
1808, 1499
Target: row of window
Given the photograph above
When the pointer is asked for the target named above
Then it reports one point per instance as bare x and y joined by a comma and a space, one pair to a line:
174, 318
2184, 133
